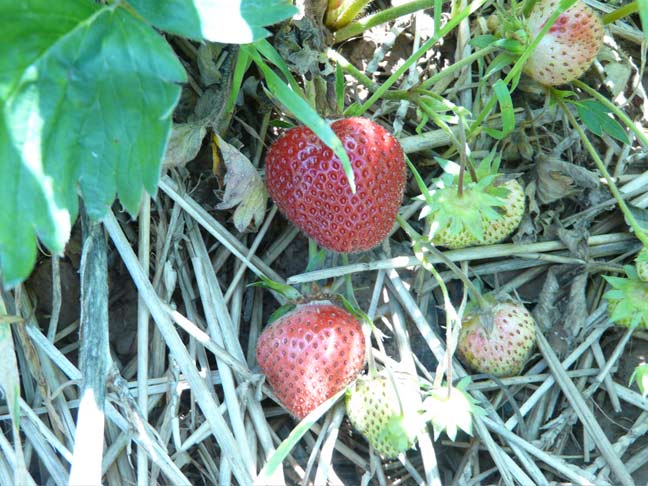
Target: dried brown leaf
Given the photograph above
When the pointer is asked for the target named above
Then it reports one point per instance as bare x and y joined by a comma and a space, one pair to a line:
184, 144
243, 188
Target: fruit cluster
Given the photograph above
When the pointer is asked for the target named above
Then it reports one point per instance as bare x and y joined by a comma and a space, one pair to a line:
318, 349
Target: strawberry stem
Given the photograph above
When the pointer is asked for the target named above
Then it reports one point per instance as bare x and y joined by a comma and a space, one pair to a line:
639, 232
386, 15
421, 244
620, 12
342, 14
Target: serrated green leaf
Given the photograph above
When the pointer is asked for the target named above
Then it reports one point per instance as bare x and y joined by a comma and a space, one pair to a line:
226, 21
597, 119
86, 102
506, 109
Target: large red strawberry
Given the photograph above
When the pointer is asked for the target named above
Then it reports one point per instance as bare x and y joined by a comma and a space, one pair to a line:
310, 354
307, 182
570, 45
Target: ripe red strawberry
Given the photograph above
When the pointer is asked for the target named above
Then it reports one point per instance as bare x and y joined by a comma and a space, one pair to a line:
570, 45
310, 354
307, 182
504, 350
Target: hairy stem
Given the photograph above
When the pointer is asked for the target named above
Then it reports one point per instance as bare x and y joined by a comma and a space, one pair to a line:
639, 233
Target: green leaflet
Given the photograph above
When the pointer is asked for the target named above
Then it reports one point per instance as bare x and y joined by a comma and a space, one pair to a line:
86, 103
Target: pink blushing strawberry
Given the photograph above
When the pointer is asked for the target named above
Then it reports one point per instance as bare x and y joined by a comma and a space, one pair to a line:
502, 350
569, 47
308, 184
310, 354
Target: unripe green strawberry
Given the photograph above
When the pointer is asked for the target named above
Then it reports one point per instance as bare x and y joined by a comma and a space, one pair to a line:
505, 349
499, 229
493, 230
374, 409
628, 300
641, 264
568, 48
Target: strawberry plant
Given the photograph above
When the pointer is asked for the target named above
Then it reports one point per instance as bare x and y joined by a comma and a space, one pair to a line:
307, 182
85, 107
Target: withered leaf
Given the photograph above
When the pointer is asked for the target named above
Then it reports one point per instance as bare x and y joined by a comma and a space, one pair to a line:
184, 144
243, 188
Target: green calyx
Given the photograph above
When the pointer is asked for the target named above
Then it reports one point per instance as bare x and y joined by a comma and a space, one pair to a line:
482, 212
451, 409
451, 213
628, 300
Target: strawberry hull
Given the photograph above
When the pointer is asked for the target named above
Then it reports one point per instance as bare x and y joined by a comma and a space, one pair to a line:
307, 182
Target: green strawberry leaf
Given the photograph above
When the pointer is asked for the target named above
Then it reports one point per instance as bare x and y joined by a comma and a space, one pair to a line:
506, 107
640, 377
643, 14
286, 291
304, 112
223, 21
85, 104
597, 118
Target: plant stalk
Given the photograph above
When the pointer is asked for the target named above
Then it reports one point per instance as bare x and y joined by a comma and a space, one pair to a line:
621, 12
639, 232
